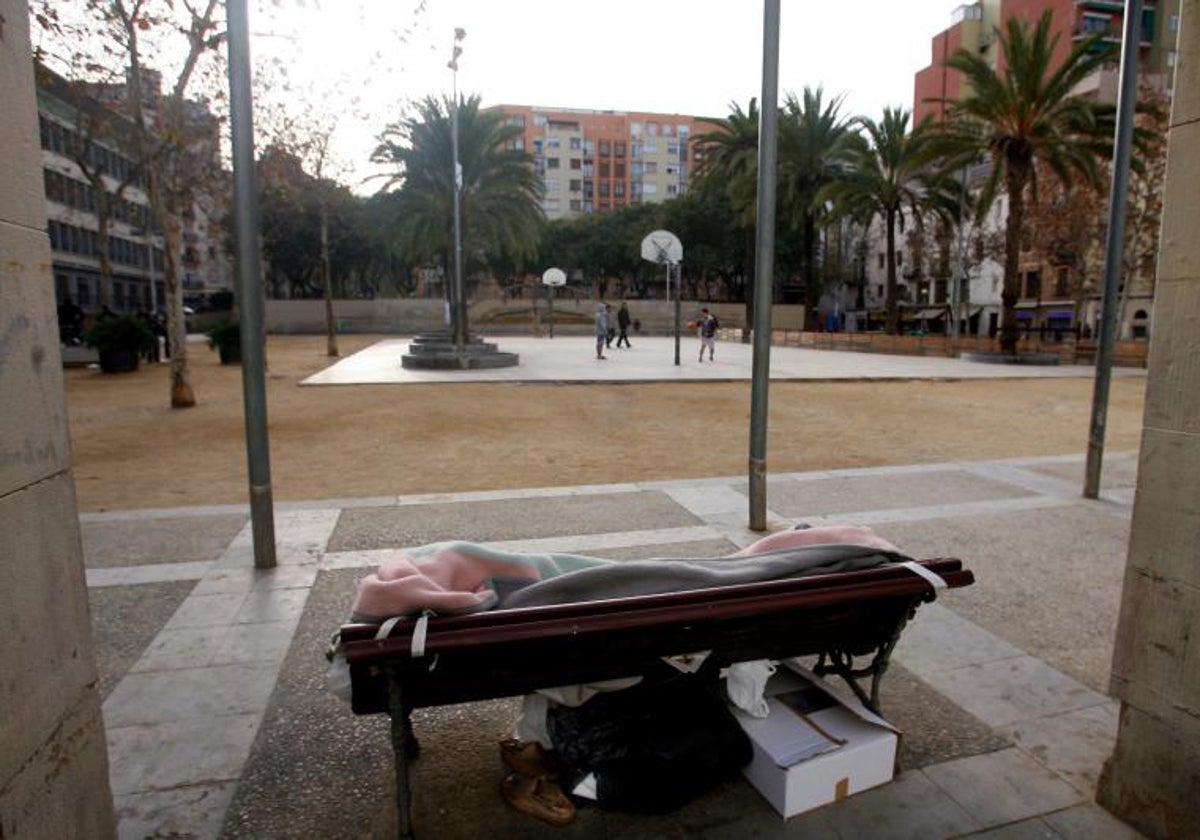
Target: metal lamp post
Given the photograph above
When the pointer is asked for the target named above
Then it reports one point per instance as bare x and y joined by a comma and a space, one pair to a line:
458, 297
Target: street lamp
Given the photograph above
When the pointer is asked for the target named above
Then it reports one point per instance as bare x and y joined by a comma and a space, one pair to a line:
458, 295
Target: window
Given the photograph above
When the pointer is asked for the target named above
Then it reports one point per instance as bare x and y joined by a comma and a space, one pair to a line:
604, 193
1033, 284
552, 163
672, 189
575, 204
576, 142
553, 143
604, 169
517, 143
650, 148
684, 131
1062, 283
635, 129
537, 147
605, 148
882, 257
651, 168
575, 185
899, 258
551, 185
619, 149
619, 189
619, 170
649, 189
672, 148
576, 163
539, 119
516, 120
879, 290
652, 129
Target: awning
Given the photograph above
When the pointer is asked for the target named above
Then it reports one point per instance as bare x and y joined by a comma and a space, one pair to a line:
1059, 314
930, 314
1024, 316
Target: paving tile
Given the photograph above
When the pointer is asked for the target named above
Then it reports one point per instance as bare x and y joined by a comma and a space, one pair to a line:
1086, 822
168, 755
164, 572
264, 642
194, 811
206, 611
1014, 690
591, 543
116, 576
858, 493
136, 542
910, 807
1074, 745
125, 622
1002, 787
263, 605
707, 500
509, 520
173, 650
1034, 829
155, 697
938, 639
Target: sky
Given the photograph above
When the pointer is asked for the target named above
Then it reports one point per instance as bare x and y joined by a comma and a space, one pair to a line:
366, 60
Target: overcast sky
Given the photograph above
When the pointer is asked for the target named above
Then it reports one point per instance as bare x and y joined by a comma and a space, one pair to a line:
681, 56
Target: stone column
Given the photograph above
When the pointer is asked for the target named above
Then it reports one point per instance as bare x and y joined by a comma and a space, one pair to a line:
1152, 780
53, 763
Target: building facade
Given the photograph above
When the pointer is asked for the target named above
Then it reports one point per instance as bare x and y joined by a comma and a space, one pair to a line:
1059, 289
599, 161
87, 142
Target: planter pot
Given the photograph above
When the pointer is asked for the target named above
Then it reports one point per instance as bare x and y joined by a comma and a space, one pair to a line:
230, 354
118, 361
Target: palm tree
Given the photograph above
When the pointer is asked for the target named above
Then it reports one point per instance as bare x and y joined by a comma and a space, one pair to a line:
500, 199
887, 174
1025, 113
812, 139
729, 162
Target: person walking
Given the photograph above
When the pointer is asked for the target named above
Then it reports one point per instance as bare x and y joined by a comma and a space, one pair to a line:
601, 330
623, 320
707, 329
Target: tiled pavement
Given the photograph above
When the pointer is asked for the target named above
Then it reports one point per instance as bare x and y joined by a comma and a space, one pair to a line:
218, 724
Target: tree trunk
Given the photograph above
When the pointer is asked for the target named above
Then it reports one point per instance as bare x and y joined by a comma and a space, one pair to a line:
892, 322
182, 395
748, 285
331, 347
102, 226
1015, 176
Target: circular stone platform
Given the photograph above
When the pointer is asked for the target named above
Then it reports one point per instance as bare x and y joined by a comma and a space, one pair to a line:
437, 351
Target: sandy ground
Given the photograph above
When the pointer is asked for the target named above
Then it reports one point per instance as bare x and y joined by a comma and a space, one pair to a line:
131, 450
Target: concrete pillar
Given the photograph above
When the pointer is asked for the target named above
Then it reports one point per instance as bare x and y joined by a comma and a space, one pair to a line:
1152, 780
53, 763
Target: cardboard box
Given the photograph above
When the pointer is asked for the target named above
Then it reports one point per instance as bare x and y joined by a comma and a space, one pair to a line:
818, 745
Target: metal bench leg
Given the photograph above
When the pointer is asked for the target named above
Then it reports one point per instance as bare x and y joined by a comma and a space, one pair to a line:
401, 742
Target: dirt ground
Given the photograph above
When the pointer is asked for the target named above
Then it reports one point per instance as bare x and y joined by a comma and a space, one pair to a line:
131, 450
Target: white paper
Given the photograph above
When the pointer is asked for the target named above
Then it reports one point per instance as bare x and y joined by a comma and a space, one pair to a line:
786, 736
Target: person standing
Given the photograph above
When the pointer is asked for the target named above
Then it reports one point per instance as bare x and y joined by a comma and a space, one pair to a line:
623, 320
601, 330
708, 333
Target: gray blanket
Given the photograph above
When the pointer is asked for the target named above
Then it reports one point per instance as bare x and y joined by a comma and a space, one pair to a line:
653, 577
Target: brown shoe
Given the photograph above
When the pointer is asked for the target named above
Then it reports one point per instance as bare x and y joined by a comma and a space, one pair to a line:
528, 759
539, 798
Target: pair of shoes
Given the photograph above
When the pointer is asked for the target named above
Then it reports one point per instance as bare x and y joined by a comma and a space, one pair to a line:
602, 357
701, 360
528, 759
539, 798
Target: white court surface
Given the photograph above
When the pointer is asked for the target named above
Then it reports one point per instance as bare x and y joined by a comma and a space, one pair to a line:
573, 359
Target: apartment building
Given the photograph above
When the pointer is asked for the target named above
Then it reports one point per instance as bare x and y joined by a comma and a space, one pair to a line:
134, 247
973, 26
1052, 296
598, 161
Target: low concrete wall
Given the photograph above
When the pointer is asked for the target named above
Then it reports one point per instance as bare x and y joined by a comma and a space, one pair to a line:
497, 317
1125, 353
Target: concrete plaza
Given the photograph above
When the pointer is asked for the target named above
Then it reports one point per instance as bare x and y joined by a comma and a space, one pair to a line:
652, 359
219, 724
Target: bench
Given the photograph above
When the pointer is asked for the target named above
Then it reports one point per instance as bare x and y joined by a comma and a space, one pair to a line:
850, 620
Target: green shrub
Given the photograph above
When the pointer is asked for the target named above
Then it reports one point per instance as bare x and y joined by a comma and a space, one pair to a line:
120, 333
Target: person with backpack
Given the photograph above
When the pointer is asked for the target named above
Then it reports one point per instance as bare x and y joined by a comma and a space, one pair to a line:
707, 328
